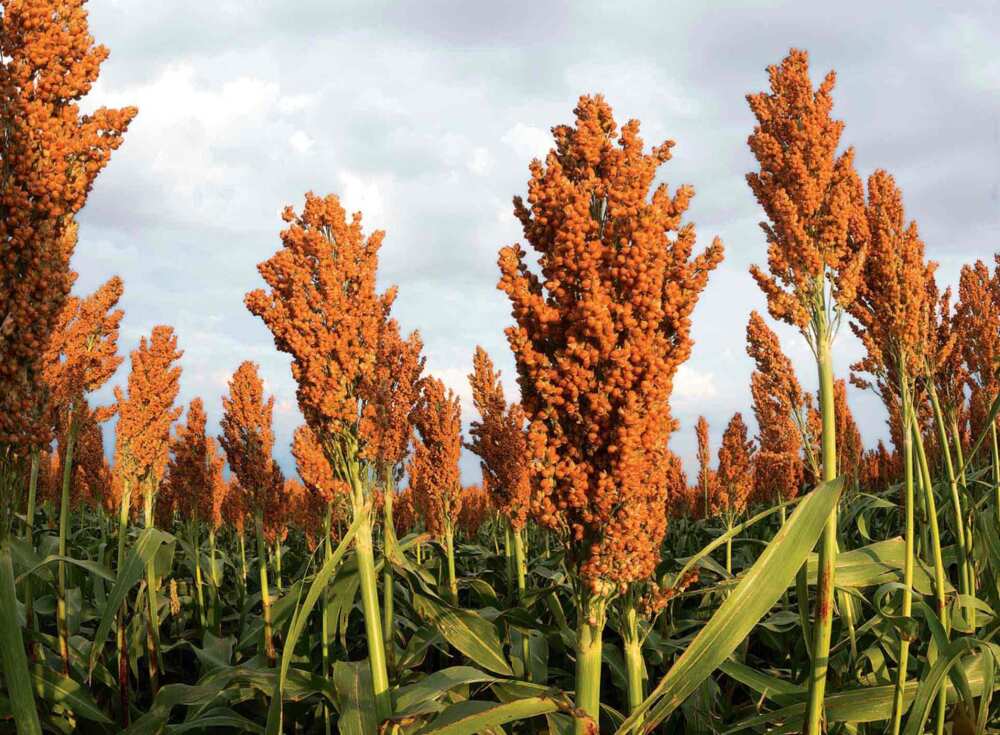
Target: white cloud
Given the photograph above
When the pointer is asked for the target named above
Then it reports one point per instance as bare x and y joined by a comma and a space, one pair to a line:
527, 141
293, 103
692, 385
364, 194
300, 141
480, 162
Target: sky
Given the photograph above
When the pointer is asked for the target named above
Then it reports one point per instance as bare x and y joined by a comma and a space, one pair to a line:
425, 116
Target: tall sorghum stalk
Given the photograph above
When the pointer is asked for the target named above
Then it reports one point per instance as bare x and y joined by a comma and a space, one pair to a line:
388, 591
364, 550
152, 595
29, 537
940, 578
121, 638
601, 327
635, 666
906, 609
333, 335
199, 584
265, 590
966, 575
591, 618
216, 583
449, 551
324, 623
823, 619
64, 522
816, 231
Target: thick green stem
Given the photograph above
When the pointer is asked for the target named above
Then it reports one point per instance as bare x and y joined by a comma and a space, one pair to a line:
324, 623
996, 470
121, 638
449, 549
198, 579
729, 547
388, 591
907, 606
635, 666
152, 588
62, 622
965, 577
521, 572
940, 579
939, 573
277, 564
823, 619
265, 592
241, 542
29, 537
370, 606
508, 551
589, 639
216, 585
243, 555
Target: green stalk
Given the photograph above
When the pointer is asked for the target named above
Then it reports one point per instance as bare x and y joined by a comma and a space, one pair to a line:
265, 592
216, 582
449, 548
388, 599
62, 623
243, 557
277, 564
589, 632
729, 546
939, 573
325, 632
823, 625
935, 533
152, 588
996, 469
521, 572
121, 638
241, 542
634, 664
198, 580
907, 607
508, 551
29, 537
965, 574
369, 604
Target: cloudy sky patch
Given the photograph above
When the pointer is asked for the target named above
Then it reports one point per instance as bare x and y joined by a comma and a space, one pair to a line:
426, 115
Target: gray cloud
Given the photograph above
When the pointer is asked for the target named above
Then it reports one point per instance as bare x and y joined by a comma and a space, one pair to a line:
426, 115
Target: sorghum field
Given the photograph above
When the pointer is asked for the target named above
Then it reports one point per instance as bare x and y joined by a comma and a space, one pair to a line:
800, 583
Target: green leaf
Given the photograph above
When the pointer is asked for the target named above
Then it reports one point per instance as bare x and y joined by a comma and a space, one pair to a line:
58, 689
215, 653
470, 633
431, 687
935, 678
775, 689
473, 716
216, 717
146, 545
760, 587
352, 683
91, 566
865, 704
17, 681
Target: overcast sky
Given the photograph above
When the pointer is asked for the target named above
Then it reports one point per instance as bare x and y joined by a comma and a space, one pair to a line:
425, 115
